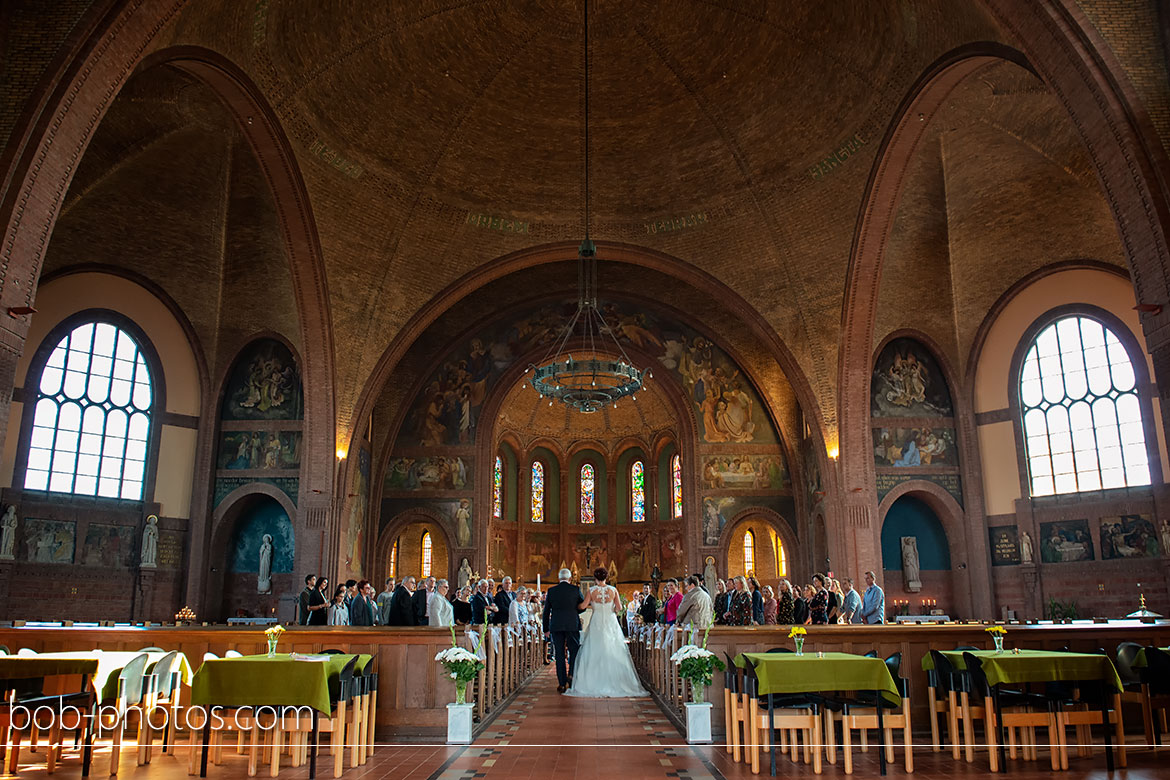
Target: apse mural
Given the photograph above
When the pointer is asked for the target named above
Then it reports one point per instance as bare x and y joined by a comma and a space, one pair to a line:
1128, 536
671, 558
265, 384
428, 473
590, 551
240, 450
1066, 541
907, 382
756, 472
915, 447
262, 518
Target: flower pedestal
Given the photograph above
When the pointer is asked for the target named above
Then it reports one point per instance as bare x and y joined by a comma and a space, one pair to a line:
459, 724
698, 722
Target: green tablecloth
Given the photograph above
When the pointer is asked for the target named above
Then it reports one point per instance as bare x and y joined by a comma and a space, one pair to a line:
791, 673
1139, 660
256, 680
101, 666
1035, 666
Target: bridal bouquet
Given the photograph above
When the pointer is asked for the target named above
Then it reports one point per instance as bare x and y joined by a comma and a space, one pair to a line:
462, 666
698, 665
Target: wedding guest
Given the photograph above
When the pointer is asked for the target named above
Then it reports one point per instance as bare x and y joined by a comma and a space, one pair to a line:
439, 610
649, 611
518, 609
303, 600
632, 607
850, 603
771, 606
695, 608
818, 607
482, 605
720, 601
338, 612
739, 609
319, 603
672, 604
401, 610
504, 601
873, 602
461, 606
800, 607
835, 598
350, 591
785, 605
362, 607
418, 601
757, 602
384, 599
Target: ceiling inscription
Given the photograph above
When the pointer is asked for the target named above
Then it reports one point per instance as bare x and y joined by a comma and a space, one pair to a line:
837, 158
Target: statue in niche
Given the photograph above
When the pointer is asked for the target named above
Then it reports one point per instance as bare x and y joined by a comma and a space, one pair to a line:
1164, 532
8, 534
709, 573
1026, 547
264, 577
463, 523
150, 543
465, 574
910, 569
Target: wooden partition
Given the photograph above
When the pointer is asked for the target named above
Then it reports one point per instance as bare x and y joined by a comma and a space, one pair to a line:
413, 692
913, 641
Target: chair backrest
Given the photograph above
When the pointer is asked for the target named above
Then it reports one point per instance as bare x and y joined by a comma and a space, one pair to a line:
944, 671
25, 652
733, 674
975, 670
779, 650
965, 648
1126, 654
750, 681
4, 650
151, 650
1157, 671
871, 654
233, 654
131, 681
166, 671
341, 687
210, 656
894, 664
333, 651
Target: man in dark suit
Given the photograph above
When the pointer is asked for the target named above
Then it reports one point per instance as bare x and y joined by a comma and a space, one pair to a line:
304, 599
419, 601
401, 610
482, 605
504, 601
562, 624
361, 609
649, 611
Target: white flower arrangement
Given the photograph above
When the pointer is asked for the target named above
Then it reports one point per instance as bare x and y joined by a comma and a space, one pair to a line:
455, 655
690, 651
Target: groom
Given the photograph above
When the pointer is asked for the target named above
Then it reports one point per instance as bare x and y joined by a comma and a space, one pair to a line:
562, 625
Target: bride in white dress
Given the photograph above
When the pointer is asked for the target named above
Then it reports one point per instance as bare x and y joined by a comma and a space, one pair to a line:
604, 669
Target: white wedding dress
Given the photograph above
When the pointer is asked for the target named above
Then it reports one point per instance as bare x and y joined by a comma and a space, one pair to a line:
604, 669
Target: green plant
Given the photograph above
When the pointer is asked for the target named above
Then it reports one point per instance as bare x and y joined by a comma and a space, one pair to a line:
1058, 610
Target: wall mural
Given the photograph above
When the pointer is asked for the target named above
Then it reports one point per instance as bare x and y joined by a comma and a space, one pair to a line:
756, 472
48, 541
907, 382
718, 510
259, 450
428, 473
355, 532
264, 517
915, 447
671, 558
634, 556
541, 553
110, 546
1128, 536
265, 384
1066, 541
502, 552
589, 552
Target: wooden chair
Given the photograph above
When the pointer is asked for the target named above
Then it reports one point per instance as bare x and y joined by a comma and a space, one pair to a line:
164, 688
959, 708
798, 713
299, 726
734, 706
132, 686
860, 713
1011, 708
24, 703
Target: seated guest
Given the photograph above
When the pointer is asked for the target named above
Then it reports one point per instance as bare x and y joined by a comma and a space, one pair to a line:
462, 607
757, 601
319, 603
800, 607
739, 609
338, 612
818, 607
439, 610
361, 608
785, 605
771, 606
518, 609
401, 610
303, 600
384, 599
482, 604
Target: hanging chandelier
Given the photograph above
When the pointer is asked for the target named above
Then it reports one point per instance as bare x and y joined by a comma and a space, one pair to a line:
602, 372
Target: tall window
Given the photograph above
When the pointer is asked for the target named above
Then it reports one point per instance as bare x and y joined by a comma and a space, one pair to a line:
498, 488
637, 492
394, 559
537, 491
426, 554
676, 487
749, 552
781, 559
588, 494
93, 415
1081, 412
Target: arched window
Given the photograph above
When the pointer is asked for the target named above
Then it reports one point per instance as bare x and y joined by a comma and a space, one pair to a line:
749, 552
426, 554
781, 559
588, 494
498, 488
1081, 412
92, 421
637, 492
394, 559
537, 491
676, 486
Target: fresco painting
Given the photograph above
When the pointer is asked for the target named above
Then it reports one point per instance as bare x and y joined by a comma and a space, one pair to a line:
428, 473
634, 556
111, 546
259, 450
908, 382
1066, 541
671, 555
265, 384
718, 510
354, 536
755, 472
502, 552
541, 556
915, 447
1128, 536
265, 516
48, 541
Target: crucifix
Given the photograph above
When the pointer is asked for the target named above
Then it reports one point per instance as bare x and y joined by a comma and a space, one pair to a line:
499, 562
589, 550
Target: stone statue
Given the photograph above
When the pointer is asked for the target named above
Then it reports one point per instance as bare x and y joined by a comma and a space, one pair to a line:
709, 573
910, 570
1026, 545
8, 534
264, 577
465, 574
1164, 531
150, 543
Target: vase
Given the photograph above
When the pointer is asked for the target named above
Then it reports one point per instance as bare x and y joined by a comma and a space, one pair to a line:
698, 722
461, 691
799, 645
698, 693
272, 647
998, 639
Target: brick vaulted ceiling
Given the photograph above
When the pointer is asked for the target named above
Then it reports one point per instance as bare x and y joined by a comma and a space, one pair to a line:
416, 124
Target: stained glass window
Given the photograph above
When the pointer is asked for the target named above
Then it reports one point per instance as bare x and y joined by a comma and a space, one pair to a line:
537, 491
426, 554
749, 553
498, 488
588, 498
394, 559
1082, 415
782, 558
93, 413
637, 492
676, 486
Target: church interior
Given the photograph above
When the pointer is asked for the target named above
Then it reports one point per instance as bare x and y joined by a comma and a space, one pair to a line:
277, 274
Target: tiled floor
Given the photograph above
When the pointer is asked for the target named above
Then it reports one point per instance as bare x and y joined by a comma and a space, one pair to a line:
545, 735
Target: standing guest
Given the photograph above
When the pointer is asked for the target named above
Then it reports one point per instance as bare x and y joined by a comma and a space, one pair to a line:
757, 602
303, 600
632, 607
401, 610
785, 605
771, 606
850, 603
350, 591
873, 603
482, 605
439, 610
739, 608
800, 615
319, 603
835, 598
384, 599
461, 606
518, 609
361, 608
422, 594
338, 612
695, 608
702, 584
504, 601
721, 599
649, 611
672, 604
818, 607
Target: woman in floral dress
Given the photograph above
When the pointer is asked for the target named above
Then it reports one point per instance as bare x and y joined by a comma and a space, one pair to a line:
739, 609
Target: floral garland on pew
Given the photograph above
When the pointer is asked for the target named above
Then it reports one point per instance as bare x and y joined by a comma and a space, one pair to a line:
697, 665
462, 666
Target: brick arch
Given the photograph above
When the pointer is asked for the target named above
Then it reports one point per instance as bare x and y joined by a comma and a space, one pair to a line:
735, 526
394, 528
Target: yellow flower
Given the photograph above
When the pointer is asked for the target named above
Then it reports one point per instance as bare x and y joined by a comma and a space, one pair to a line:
996, 630
797, 631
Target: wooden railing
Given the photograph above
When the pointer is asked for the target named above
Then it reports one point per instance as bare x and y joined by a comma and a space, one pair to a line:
511, 655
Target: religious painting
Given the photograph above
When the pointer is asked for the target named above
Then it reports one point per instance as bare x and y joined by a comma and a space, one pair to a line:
1066, 541
542, 556
753, 472
908, 382
633, 558
502, 552
458, 515
719, 510
109, 546
589, 552
812, 474
1128, 536
914, 447
49, 541
1004, 542
264, 518
355, 530
714, 519
428, 473
240, 450
671, 556
265, 384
